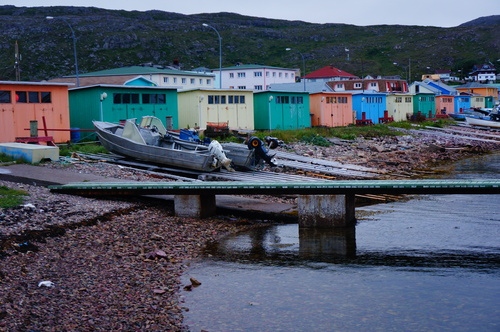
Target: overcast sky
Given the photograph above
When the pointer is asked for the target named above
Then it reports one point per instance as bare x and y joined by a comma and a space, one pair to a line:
441, 13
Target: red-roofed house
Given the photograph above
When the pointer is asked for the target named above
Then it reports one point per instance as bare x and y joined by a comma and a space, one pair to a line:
329, 73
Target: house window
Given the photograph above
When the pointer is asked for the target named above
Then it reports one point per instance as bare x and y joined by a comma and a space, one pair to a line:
373, 84
231, 75
34, 97
342, 100
5, 97
242, 99
153, 98
209, 81
46, 97
281, 75
257, 87
257, 74
183, 80
339, 86
241, 75
274, 74
165, 80
267, 74
21, 97
175, 80
192, 81
242, 87
358, 85
201, 81
399, 99
286, 75
282, 100
297, 100
407, 99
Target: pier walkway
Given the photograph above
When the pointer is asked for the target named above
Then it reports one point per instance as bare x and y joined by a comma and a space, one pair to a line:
321, 204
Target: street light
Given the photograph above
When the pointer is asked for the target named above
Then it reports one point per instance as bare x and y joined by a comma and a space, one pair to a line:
220, 53
303, 65
74, 45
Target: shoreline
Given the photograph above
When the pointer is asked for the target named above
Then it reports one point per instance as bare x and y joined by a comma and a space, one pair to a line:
116, 264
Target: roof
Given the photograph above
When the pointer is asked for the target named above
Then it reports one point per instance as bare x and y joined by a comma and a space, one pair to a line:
254, 67
34, 83
311, 87
123, 87
329, 71
472, 85
140, 70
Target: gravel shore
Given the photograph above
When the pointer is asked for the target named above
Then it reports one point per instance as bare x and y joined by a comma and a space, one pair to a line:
71, 263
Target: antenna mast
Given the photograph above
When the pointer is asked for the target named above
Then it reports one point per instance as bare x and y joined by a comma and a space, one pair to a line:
17, 60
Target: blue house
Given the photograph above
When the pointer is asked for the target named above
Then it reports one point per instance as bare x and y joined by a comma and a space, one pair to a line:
369, 106
462, 102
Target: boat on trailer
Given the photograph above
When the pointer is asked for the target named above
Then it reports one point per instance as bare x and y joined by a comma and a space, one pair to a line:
147, 141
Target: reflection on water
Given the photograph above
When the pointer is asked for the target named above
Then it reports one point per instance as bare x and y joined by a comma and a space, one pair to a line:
430, 263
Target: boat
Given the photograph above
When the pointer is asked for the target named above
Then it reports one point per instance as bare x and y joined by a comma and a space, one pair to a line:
147, 142
247, 156
486, 118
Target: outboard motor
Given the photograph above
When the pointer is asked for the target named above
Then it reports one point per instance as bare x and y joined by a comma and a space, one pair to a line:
216, 150
260, 151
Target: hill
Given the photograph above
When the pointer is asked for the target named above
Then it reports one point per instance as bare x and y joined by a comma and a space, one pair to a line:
114, 38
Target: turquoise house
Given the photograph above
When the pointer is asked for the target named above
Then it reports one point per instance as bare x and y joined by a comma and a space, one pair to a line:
113, 103
369, 106
424, 104
281, 110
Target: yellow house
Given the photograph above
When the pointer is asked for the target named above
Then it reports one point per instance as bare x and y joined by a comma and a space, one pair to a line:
399, 106
23, 102
197, 107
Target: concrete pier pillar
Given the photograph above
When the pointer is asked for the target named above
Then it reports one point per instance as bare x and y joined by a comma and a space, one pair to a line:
194, 206
326, 211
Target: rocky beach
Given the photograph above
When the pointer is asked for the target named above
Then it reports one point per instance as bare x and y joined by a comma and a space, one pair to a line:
72, 263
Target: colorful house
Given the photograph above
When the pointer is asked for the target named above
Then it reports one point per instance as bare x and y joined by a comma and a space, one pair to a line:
369, 106
462, 102
479, 89
331, 109
424, 104
399, 106
113, 103
281, 110
329, 73
198, 107
22, 102
445, 104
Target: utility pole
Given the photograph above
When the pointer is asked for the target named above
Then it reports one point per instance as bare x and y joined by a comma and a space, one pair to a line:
17, 61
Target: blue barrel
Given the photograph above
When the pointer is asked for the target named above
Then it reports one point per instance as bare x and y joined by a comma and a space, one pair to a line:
75, 135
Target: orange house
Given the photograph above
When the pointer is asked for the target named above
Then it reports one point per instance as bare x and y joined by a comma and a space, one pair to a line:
23, 102
331, 109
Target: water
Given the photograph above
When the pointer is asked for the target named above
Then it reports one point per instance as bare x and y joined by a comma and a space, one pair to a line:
428, 264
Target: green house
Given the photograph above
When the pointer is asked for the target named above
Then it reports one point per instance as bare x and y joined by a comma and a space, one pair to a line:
281, 110
113, 103
424, 104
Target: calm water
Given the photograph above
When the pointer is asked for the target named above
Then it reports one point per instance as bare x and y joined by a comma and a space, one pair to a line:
428, 264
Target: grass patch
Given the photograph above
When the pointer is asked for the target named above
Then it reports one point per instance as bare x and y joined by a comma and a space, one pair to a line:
11, 197
91, 148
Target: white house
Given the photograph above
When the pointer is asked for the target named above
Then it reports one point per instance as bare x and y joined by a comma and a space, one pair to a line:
254, 77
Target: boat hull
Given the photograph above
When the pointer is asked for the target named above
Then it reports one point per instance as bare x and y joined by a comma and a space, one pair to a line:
474, 121
171, 154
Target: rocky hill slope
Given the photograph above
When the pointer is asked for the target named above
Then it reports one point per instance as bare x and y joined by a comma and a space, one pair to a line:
113, 38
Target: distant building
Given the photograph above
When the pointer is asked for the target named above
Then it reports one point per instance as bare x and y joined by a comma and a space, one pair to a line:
254, 77
145, 76
329, 73
374, 85
483, 73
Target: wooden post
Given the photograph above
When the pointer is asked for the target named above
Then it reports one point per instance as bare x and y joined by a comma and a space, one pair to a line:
194, 206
